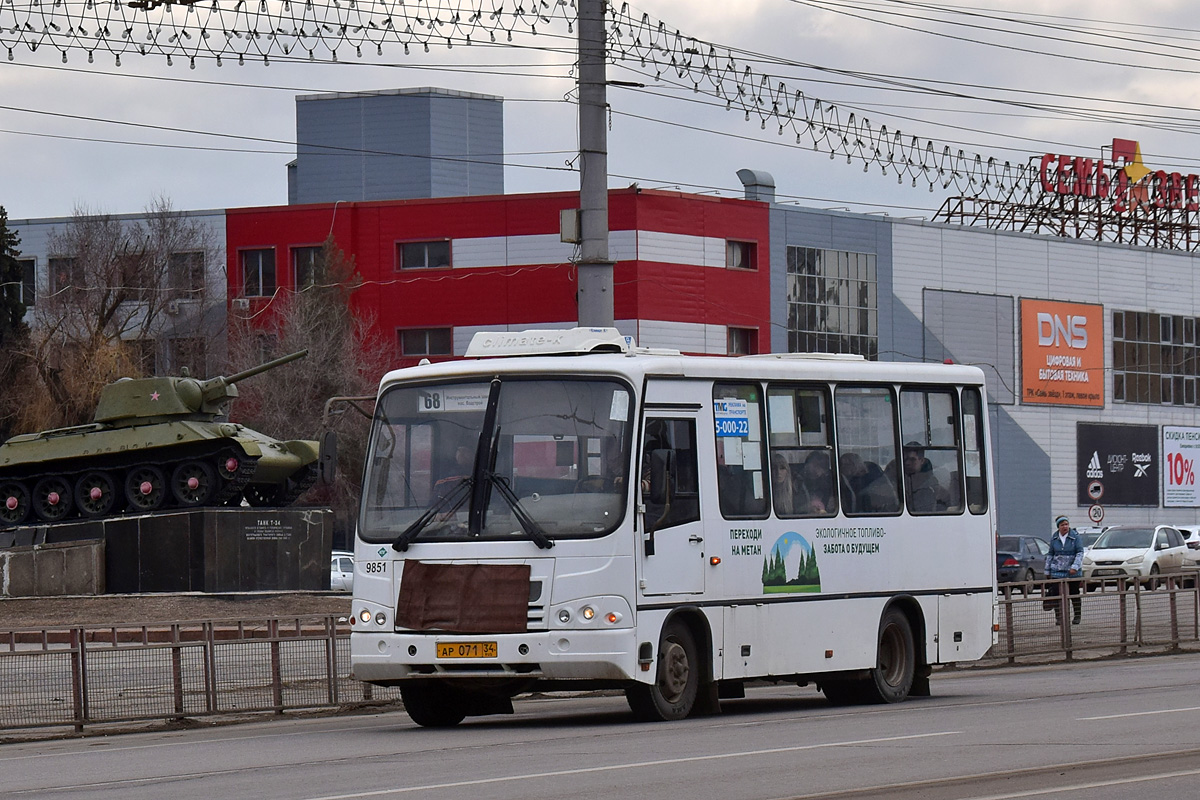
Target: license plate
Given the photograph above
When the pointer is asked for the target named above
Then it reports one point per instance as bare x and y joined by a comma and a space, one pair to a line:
466, 650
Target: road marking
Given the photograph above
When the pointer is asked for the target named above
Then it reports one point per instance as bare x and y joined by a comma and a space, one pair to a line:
1080, 787
1138, 714
630, 765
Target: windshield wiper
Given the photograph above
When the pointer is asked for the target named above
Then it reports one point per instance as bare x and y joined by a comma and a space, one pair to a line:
528, 523
457, 495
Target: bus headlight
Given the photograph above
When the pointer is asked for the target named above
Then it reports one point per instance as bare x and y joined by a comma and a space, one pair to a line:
380, 618
588, 612
564, 615
365, 616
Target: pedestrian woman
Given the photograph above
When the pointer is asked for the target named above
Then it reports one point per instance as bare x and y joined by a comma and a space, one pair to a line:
1065, 560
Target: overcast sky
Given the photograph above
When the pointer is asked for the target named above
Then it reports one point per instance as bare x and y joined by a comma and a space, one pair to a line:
80, 135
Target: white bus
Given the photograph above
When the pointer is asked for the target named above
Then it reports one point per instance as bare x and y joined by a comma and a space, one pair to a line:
798, 518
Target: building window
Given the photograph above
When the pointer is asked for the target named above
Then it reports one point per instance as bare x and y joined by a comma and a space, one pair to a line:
136, 275
424, 255
27, 289
1155, 358
185, 273
426, 342
307, 264
741, 341
740, 255
832, 302
65, 272
258, 272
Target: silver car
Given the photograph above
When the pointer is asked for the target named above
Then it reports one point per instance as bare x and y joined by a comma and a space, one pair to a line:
341, 571
1135, 551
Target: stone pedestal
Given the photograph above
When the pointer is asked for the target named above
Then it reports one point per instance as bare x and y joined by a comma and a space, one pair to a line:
202, 550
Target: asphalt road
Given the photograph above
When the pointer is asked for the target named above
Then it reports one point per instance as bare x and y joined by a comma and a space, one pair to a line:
1097, 730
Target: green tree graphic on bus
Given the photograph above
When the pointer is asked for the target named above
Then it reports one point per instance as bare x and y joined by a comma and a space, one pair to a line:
791, 566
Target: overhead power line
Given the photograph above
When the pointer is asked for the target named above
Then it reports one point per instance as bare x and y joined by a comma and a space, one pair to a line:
737, 79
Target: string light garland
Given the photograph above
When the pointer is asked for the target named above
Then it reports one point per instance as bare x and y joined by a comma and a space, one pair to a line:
720, 72
256, 31
259, 29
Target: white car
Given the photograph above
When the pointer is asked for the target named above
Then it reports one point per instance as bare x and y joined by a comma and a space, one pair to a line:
1135, 551
341, 571
1191, 537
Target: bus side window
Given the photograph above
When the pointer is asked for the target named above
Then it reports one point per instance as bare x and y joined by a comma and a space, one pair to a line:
973, 446
866, 439
932, 463
802, 474
742, 476
672, 444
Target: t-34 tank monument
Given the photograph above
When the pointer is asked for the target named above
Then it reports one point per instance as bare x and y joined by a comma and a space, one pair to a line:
158, 485
154, 443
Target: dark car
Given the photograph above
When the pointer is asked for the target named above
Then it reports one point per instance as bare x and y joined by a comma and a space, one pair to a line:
1020, 559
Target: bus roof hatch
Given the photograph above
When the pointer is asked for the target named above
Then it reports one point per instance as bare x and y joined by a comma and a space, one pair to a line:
572, 341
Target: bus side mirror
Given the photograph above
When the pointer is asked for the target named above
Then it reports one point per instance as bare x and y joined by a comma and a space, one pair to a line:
662, 470
327, 459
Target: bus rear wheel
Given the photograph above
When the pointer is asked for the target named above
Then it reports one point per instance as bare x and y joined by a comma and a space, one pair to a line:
433, 706
892, 678
672, 696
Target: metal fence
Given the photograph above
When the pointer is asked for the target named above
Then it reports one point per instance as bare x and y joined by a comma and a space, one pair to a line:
1120, 616
76, 677
80, 676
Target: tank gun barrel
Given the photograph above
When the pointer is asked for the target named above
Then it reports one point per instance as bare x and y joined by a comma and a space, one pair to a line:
216, 388
278, 362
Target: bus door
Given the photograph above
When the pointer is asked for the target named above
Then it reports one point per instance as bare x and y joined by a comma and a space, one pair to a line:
672, 537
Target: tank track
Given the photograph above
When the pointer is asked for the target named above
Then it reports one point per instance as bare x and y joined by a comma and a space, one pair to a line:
298, 483
229, 491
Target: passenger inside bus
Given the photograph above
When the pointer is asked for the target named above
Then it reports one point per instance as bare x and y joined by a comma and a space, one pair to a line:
925, 494
782, 486
814, 489
865, 487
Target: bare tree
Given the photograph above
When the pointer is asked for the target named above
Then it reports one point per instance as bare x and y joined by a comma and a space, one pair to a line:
114, 292
344, 358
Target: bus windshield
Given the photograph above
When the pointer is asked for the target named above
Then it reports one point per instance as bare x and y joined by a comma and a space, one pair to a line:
549, 462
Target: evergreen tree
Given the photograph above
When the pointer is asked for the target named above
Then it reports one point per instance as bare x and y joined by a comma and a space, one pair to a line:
774, 571
809, 574
12, 309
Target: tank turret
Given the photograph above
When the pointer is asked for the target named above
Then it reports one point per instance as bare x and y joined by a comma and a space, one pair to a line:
134, 401
154, 443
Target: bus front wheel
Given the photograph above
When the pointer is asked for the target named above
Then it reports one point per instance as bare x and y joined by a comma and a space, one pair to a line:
892, 678
433, 706
673, 694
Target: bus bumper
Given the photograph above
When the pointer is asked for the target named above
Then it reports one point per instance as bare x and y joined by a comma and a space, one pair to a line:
606, 655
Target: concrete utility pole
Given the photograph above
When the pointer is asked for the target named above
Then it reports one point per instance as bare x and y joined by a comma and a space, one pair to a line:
595, 270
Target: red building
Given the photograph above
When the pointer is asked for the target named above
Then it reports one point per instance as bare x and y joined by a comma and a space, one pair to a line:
692, 272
